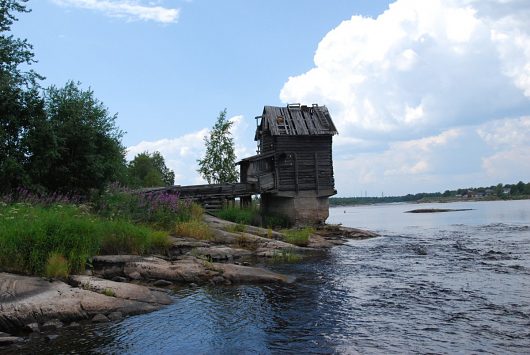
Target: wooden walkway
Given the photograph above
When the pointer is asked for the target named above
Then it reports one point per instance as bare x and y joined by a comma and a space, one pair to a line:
212, 197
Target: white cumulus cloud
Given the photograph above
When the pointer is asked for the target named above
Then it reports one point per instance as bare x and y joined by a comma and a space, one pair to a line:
419, 68
429, 95
128, 9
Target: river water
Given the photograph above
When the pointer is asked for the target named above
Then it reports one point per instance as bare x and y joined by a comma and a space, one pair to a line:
454, 282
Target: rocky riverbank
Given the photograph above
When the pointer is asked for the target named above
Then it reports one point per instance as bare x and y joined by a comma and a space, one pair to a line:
116, 286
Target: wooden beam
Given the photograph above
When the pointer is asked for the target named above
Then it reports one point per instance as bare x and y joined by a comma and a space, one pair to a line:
316, 173
295, 172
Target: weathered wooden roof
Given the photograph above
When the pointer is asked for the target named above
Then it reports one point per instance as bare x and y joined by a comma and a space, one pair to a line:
256, 157
296, 120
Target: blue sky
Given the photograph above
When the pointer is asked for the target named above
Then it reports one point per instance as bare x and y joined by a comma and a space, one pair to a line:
427, 95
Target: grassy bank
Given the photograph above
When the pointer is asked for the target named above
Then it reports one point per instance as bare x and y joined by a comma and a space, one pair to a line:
54, 235
32, 236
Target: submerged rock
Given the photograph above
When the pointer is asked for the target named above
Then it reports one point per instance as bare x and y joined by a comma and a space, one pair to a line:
53, 324
115, 316
162, 283
330, 235
33, 327
437, 210
248, 274
100, 318
51, 337
10, 340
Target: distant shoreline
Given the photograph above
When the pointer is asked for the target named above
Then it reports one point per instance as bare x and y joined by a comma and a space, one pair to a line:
333, 202
438, 210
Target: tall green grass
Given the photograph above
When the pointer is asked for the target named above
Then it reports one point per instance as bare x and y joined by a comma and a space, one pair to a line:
30, 235
249, 216
253, 216
298, 237
195, 227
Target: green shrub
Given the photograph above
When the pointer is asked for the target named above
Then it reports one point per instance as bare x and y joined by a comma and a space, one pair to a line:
298, 237
56, 266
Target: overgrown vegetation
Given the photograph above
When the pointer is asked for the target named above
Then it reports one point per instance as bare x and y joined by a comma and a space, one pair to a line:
159, 210
298, 237
252, 216
275, 220
33, 237
248, 216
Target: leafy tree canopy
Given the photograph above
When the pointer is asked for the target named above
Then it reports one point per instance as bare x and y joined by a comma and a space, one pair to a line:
218, 165
84, 151
14, 51
149, 170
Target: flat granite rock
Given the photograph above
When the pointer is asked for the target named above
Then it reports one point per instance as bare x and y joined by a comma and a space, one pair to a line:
121, 290
189, 269
27, 299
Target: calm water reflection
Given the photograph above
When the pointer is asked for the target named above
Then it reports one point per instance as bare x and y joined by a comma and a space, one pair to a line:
433, 283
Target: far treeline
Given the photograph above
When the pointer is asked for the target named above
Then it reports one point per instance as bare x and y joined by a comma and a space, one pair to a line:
496, 192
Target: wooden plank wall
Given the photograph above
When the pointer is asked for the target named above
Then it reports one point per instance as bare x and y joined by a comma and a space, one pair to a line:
297, 165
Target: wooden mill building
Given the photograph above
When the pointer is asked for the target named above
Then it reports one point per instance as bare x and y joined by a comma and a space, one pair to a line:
293, 170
